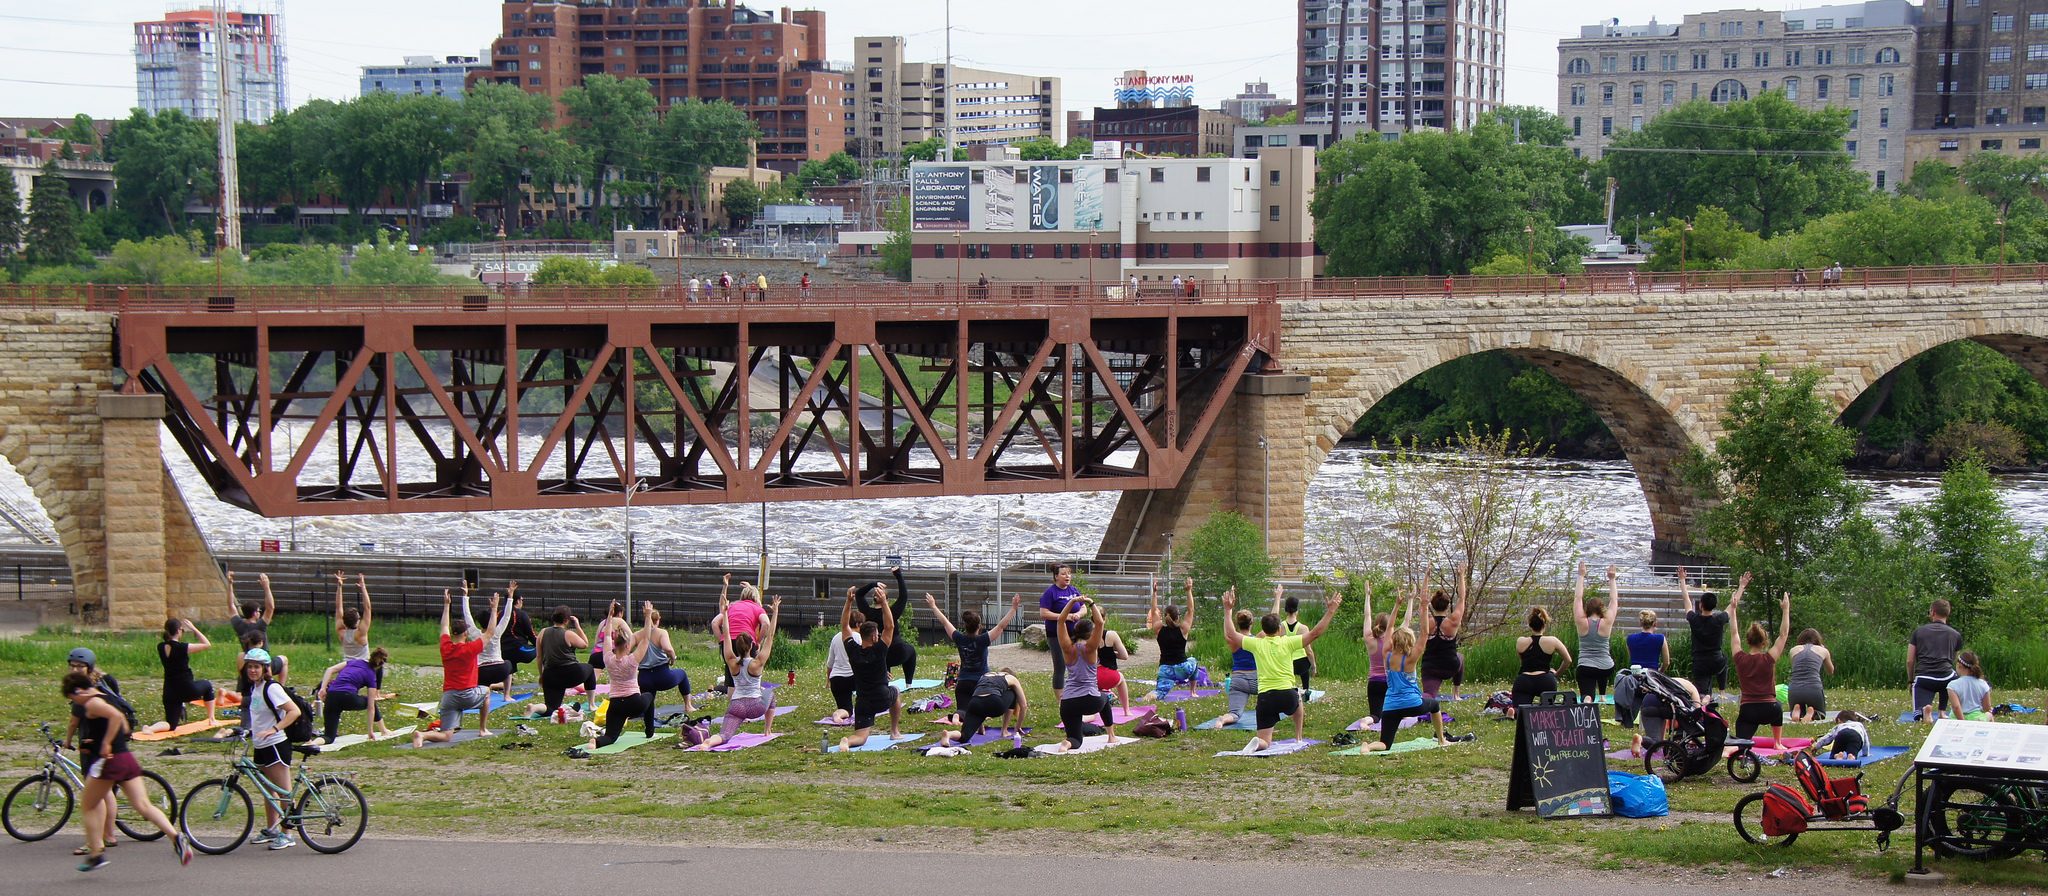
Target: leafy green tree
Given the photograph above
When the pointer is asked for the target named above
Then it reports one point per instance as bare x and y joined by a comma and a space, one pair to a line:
161, 259
1489, 392
838, 168
1776, 484
1439, 203
1770, 164
1291, 116
1229, 551
697, 136
297, 265
1040, 149
10, 218
612, 120
928, 149
742, 202
384, 263
1987, 563
52, 234
506, 135
1536, 124
896, 253
161, 163
417, 139
1933, 179
561, 270
82, 137
1713, 243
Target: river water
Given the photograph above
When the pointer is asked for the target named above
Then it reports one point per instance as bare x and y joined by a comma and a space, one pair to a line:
1615, 523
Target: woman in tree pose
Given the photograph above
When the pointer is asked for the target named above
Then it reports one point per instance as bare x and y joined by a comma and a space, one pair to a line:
1756, 671
867, 651
1171, 629
1440, 637
743, 663
1540, 655
973, 643
1594, 618
352, 626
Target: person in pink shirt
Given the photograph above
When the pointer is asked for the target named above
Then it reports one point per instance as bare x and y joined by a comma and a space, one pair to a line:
622, 669
741, 617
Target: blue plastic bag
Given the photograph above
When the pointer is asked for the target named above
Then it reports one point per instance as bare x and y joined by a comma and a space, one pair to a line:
1637, 796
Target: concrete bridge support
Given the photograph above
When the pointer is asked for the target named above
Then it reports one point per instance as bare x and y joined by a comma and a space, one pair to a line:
94, 460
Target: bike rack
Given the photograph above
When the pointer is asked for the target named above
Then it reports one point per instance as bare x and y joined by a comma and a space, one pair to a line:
2033, 815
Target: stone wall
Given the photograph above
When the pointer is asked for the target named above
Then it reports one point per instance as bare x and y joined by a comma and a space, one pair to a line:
91, 457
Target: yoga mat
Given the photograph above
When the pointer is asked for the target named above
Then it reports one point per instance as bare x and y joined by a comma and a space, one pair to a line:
1120, 715
1406, 746
842, 723
185, 729
878, 742
2023, 710
1315, 695
1094, 744
1179, 695
1906, 718
917, 685
1361, 725
345, 741
677, 709
738, 742
989, 735
462, 736
222, 700
628, 740
1279, 748
1247, 721
1876, 754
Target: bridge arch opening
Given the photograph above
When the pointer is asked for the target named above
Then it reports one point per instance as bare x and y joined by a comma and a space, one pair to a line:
1986, 393
1607, 412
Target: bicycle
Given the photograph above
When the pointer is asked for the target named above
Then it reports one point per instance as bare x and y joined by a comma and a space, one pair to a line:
328, 810
1986, 820
41, 803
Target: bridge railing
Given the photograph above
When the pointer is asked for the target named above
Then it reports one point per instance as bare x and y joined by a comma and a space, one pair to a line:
1617, 281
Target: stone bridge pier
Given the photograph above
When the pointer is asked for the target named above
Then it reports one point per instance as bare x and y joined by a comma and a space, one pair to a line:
1658, 368
93, 459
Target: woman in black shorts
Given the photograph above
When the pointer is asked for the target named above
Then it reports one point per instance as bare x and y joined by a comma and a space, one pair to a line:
867, 650
996, 695
103, 745
179, 685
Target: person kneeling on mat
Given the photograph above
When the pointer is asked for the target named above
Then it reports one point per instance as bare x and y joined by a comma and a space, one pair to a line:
867, 651
1279, 687
996, 696
750, 701
459, 690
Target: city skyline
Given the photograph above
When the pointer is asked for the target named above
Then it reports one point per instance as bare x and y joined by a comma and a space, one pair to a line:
59, 65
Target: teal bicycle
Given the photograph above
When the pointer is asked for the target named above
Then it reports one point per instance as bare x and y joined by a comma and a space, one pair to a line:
328, 810
41, 803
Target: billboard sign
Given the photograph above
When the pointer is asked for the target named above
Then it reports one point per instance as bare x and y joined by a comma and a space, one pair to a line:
1045, 197
938, 198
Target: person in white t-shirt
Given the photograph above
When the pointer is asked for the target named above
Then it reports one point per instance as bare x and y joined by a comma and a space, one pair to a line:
269, 711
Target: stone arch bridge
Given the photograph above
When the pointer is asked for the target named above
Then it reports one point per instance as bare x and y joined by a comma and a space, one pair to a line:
1657, 367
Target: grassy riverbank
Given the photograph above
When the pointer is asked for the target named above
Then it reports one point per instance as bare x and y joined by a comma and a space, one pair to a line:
1167, 797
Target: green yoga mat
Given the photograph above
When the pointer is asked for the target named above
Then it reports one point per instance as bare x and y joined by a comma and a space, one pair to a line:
1406, 746
628, 741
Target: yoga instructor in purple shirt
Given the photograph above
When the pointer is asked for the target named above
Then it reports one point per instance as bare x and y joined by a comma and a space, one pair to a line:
1050, 605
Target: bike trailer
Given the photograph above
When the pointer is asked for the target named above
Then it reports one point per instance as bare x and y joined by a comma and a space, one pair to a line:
1785, 811
1838, 798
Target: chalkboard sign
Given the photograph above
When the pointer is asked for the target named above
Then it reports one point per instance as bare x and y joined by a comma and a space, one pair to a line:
1559, 767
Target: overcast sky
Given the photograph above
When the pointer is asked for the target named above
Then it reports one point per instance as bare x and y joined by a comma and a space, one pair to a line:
65, 58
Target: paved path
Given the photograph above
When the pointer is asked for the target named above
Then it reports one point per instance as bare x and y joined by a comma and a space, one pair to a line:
406, 866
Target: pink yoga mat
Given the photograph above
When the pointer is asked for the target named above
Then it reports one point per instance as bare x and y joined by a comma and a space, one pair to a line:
1119, 715
738, 742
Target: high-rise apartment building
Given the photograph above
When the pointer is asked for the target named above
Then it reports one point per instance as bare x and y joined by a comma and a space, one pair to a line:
446, 76
1981, 80
1254, 103
898, 102
178, 65
1613, 79
771, 65
1401, 65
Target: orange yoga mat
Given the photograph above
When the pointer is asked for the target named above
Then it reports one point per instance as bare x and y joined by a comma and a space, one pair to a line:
224, 699
185, 729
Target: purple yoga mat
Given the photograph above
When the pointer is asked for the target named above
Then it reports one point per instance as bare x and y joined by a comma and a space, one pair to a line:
1119, 715
740, 742
988, 736
1179, 695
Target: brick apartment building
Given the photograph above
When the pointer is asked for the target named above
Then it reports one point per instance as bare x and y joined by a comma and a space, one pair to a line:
772, 65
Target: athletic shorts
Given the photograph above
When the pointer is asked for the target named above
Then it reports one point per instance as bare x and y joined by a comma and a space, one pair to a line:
1752, 716
455, 703
1274, 704
276, 754
869, 704
116, 768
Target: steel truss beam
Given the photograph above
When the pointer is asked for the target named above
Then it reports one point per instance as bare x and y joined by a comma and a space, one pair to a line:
308, 412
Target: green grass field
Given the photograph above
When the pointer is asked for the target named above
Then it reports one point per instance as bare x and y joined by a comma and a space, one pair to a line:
1151, 796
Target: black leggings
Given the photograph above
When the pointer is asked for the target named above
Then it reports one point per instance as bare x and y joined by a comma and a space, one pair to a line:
1390, 720
903, 653
617, 713
1074, 709
1376, 696
338, 703
1594, 682
1302, 669
177, 693
963, 691
555, 680
489, 674
978, 710
655, 680
842, 692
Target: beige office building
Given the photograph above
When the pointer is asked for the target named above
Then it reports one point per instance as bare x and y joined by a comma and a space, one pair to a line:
1110, 220
898, 102
1613, 79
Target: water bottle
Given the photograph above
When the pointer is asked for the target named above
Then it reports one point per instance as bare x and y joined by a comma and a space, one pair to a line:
1017, 739
792, 676
1180, 718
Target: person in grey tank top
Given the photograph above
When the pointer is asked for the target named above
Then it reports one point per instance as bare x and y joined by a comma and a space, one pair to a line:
1803, 690
1595, 621
352, 624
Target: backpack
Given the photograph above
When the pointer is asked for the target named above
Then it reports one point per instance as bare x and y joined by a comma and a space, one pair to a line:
1152, 726
121, 703
1785, 811
301, 729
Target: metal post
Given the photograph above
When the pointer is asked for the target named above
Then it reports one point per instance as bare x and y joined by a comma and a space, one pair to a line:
1266, 499
636, 487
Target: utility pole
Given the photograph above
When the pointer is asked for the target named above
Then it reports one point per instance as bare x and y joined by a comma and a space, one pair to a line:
1337, 75
947, 83
229, 210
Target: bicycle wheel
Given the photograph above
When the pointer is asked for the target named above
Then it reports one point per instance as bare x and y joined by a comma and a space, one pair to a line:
332, 815
1974, 821
1745, 767
37, 807
1749, 822
216, 817
130, 819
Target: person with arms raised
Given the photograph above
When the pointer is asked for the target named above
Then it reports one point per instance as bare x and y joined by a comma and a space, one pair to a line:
1279, 691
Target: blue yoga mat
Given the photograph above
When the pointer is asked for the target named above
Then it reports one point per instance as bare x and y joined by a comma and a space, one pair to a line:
1248, 721
878, 742
1876, 754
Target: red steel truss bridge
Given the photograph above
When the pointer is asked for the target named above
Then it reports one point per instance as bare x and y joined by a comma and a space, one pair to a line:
315, 402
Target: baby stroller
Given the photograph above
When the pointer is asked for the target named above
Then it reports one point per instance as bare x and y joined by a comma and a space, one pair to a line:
1692, 742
